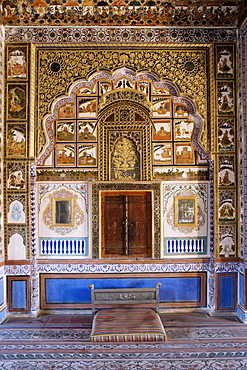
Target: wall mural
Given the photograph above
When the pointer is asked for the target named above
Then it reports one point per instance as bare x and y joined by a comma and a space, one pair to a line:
74, 123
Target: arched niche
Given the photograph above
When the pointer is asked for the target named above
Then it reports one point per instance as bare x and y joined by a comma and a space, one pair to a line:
103, 85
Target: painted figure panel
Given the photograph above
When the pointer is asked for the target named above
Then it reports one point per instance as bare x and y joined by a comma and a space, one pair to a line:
16, 97
67, 111
162, 154
184, 154
163, 130
226, 173
227, 210
16, 140
226, 135
161, 106
225, 60
16, 63
65, 130
86, 131
16, 177
87, 107
225, 97
180, 110
87, 155
183, 129
65, 155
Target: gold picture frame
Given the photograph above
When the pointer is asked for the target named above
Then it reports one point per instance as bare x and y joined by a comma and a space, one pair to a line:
63, 212
185, 213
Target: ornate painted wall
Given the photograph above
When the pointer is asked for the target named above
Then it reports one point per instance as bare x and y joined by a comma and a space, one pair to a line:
119, 109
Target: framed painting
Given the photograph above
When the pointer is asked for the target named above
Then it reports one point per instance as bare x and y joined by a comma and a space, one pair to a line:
163, 130
86, 131
184, 154
63, 212
161, 106
185, 211
65, 130
87, 155
65, 155
87, 107
162, 154
67, 111
183, 129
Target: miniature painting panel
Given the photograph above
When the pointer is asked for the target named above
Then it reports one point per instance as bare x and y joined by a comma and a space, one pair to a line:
65, 130
87, 155
162, 130
63, 212
16, 180
185, 211
225, 66
16, 63
86, 131
225, 98
184, 154
226, 173
161, 106
67, 111
162, 154
65, 155
17, 102
87, 107
227, 210
181, 173
183, 129
143, 86
226, 135
16, 140
180, 110
104, 87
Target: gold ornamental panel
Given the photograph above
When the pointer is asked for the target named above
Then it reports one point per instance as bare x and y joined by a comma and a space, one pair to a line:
125, 134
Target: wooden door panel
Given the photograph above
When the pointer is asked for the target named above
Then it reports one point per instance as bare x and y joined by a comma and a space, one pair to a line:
113, 225
140, 225
126, 224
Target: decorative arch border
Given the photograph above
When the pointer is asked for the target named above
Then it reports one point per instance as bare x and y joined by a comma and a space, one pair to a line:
113, 77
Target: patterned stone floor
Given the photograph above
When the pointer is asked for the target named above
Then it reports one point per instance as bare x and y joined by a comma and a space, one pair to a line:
195, 342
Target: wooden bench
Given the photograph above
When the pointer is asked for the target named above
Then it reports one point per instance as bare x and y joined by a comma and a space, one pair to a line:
124, 296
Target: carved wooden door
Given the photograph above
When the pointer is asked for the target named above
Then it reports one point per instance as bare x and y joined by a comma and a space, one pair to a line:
126, 224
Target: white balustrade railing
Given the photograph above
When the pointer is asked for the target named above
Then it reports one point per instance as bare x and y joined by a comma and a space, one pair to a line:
62, 247
183, 246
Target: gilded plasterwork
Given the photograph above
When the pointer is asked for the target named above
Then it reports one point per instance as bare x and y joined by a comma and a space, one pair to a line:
49, 214
129, 146
58, 68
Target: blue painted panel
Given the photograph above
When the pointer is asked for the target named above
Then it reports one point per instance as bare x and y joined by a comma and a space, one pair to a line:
1, 292
71, 290
18, 295
241, 290
226, 291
